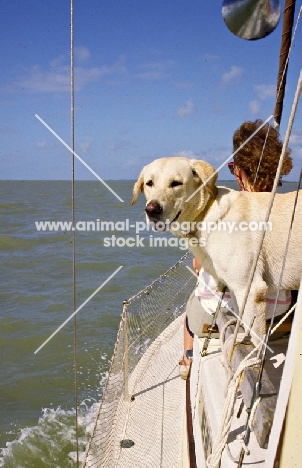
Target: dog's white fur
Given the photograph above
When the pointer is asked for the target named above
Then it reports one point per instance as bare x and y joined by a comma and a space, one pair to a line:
169, 182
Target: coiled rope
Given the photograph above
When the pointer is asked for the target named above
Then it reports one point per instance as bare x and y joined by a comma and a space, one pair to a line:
213, 461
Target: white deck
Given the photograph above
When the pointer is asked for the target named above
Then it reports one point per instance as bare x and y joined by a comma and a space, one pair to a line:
154, 421
208, 384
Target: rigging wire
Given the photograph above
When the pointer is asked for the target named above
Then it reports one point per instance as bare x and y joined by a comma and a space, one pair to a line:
278, 172
288, 132
271, 200
263, 348
286, 46
264, 343
73, 224
281, 276
260, 160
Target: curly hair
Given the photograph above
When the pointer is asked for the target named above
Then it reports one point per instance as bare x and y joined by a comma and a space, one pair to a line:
265, 145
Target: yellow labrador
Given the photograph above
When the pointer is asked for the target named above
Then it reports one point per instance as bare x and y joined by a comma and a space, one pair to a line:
223, 227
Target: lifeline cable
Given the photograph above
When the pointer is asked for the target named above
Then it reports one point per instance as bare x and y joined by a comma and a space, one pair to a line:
73, 223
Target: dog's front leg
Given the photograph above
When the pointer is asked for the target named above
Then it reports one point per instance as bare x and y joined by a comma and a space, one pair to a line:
254, 309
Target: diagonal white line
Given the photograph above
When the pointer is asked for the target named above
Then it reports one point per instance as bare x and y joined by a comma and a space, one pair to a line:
230, 157
79, 158
227, 307
78, 309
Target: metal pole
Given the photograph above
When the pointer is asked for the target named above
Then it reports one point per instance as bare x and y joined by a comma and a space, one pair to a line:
73, 223
126, 351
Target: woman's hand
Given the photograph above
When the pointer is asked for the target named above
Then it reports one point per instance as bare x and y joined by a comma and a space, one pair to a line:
196, 265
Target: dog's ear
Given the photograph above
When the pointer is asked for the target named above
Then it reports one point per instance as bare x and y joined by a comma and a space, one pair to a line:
138, 186
207, 174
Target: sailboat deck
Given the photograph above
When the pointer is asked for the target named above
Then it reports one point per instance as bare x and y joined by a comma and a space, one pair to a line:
154, 420
149, 429
208, 398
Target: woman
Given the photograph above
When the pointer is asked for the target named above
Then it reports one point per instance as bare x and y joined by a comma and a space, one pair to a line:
255, 164
254, 167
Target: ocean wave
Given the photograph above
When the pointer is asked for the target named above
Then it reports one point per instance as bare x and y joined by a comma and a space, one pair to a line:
52, 441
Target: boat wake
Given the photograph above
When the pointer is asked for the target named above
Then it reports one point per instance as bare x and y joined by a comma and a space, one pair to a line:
52, 441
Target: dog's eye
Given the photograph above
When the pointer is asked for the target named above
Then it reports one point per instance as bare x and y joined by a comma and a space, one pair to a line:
149, 183
175, 183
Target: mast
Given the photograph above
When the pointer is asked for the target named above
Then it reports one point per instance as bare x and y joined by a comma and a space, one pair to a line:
288, 20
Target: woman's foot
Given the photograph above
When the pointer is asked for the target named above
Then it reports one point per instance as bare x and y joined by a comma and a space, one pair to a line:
185, 364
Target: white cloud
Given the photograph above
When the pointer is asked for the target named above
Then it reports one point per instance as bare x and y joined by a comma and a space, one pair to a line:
296, 137
218, 109
8, 130
58, 61
44, 144
85, 145
57, 77
234, 73
188, 110
41, 144
254, 107
264, 92
151, 75
155, 70
298, 152
117, 145
134, 162
187, 154
220, 154
81, 53
295, 143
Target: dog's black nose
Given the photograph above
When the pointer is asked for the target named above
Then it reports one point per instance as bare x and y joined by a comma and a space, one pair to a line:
153, 209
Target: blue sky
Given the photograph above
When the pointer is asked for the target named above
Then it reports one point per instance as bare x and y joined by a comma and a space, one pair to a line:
152, 79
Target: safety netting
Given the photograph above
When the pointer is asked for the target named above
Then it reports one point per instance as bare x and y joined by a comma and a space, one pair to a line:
144, 397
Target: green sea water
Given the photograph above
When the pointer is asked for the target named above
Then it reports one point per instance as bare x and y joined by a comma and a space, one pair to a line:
37, 397
37, 390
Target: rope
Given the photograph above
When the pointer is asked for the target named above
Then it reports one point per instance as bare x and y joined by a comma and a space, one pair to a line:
226, 346
253, 411
244, 446
220, 443
213, 461
283, 318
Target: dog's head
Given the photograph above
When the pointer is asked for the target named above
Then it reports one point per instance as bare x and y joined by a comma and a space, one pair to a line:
176, 189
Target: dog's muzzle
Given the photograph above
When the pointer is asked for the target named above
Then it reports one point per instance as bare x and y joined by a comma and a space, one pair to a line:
154, 211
